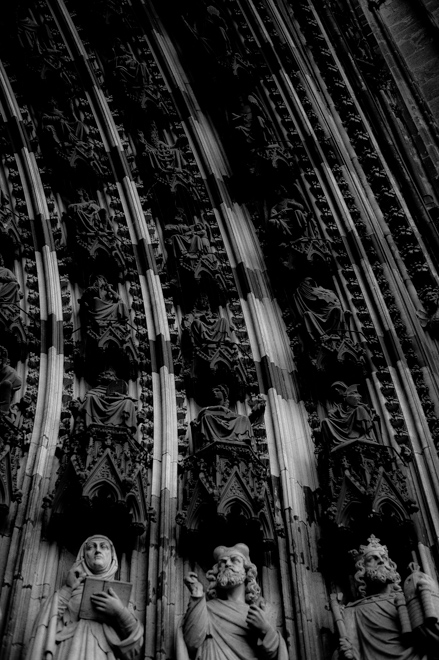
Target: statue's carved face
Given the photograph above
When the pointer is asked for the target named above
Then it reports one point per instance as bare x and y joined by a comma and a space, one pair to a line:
377, 567
98, 554
231, 570
354, 399
218, 395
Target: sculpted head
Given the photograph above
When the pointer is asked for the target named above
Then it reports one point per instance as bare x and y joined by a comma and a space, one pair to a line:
375, 570
220, 393
107, 376
97, 557
98, 554
232, 568
349, 393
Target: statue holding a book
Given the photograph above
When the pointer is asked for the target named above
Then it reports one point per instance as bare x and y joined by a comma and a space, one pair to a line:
90, 616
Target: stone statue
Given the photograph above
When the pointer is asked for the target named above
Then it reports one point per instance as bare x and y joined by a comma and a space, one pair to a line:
9, 381
103, 304
218, 423
289, 218
89, 217
349, 420
377, 626
320, 310
60, 634
232, 624
192, 251
208, 344
10, 293
108, 403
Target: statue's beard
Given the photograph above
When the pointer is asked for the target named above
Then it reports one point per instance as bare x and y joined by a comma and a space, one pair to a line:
228, 577
381, 574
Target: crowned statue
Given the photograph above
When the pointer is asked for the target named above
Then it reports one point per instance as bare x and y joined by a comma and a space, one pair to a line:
384, 623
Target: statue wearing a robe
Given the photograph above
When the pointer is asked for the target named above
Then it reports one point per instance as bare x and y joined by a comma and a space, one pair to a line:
350, 420
10, 293
232, 624
60, 634
320, 310
218, 423
191, 250
103, 304
9, 381
377, 626
208, 345
108, 403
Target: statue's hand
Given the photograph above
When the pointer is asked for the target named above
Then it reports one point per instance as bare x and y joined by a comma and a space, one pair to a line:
75, 578
256, 619
108, 603
346, 649
194, 585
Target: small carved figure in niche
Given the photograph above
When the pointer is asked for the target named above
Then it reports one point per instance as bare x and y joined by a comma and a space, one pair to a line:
189, 241
161, 155
321, 310
289, 218
429, 313
60, 634
190, 246
108, 403
103, 304
208, 343
90, 217
9, 381
377, 627
233, 622
218, 423
252, 121
10, 293
349, 420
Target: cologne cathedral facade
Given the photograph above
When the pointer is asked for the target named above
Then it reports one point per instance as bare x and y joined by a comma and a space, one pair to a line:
219, 299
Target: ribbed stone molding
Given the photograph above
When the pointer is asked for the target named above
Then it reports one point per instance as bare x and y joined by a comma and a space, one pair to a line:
288, 436
25, 545
164, 466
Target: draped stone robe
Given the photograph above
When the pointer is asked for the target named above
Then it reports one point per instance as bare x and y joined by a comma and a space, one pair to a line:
374, 630
217, 630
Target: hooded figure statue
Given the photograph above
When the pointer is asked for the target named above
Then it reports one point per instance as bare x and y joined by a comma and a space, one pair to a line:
60, 634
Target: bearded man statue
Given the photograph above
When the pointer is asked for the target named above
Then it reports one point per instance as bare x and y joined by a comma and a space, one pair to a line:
232, 623
60, 634
377, 626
